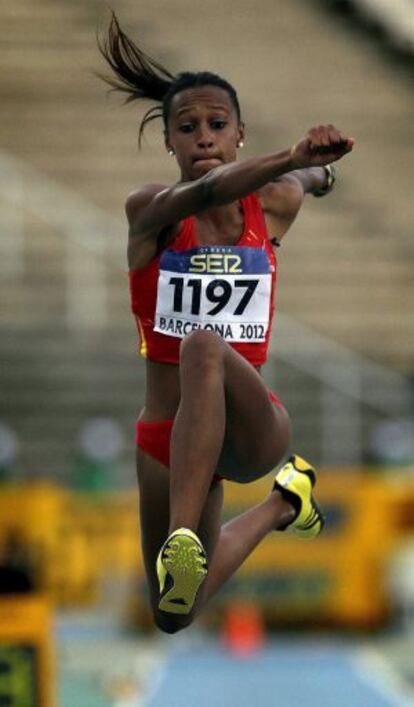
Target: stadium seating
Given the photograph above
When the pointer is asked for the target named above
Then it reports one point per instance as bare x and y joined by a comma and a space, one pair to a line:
346, 266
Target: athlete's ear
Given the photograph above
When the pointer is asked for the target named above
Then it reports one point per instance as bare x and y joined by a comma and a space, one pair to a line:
241, 134
167, 144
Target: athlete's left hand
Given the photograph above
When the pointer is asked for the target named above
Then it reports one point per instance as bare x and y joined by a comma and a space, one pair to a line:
322, 144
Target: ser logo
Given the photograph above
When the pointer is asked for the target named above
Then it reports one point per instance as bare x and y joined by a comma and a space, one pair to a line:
215, 263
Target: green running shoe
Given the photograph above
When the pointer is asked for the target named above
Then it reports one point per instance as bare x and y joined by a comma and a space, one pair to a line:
295, 481
181, 569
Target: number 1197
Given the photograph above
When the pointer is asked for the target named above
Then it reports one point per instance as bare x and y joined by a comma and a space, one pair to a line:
218, 292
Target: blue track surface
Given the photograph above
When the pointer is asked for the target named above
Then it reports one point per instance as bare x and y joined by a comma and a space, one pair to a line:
287, 676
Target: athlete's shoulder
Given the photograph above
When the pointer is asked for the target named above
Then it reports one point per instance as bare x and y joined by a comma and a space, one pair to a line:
140, 198
142, 238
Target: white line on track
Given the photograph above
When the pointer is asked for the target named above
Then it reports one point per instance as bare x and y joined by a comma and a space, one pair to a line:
373, 669
157, 683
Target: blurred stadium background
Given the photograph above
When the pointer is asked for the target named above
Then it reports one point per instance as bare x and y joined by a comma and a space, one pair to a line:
331, 621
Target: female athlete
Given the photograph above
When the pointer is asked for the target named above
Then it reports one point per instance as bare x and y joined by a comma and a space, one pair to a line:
202, 280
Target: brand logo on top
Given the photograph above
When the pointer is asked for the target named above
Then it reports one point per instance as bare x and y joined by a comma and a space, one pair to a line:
215, 263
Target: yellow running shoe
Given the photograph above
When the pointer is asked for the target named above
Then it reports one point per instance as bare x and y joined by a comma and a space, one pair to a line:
181, 569
295, 481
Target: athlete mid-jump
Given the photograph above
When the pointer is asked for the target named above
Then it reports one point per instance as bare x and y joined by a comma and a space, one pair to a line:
202, 278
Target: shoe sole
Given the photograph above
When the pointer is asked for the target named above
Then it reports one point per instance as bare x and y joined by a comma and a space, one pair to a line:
186, 574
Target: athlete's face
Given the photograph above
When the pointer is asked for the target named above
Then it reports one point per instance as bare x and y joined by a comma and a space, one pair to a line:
203, 130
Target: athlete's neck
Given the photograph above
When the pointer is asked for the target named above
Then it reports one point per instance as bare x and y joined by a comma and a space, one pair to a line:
220, 224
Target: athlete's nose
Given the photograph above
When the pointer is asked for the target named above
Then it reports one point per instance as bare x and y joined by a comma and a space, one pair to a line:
205, 143
205, 138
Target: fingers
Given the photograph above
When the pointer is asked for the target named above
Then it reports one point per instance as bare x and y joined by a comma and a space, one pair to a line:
322, 145
327, 138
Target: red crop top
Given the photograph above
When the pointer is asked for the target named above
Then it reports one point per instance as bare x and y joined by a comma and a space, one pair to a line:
227, 289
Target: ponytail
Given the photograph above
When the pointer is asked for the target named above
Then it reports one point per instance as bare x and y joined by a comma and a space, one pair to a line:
137, 75
141, 77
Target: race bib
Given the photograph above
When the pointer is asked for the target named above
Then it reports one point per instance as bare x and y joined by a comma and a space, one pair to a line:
225, 289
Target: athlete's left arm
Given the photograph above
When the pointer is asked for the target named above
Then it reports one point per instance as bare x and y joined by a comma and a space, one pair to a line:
282, 199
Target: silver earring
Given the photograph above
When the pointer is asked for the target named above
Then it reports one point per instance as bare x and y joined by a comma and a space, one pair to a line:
240, 143
171, 152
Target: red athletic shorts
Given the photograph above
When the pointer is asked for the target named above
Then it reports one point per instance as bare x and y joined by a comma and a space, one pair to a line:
154, 437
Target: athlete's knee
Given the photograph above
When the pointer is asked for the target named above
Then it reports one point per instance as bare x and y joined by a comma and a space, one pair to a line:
202, 348
171, 623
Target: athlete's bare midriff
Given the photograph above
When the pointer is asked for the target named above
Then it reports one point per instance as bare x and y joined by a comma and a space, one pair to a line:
162, 395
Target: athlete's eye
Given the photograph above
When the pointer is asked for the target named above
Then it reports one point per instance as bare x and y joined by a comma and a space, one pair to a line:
187, 127
218, 124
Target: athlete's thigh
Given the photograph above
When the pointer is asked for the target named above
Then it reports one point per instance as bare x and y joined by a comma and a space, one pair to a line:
257, 430
153, 480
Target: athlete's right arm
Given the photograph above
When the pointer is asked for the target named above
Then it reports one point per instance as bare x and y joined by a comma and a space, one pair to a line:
154, 208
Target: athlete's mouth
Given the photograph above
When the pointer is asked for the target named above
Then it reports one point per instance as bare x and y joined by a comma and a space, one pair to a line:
206, 158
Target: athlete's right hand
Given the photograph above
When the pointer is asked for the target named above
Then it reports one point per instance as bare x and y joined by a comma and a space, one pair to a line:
322, 145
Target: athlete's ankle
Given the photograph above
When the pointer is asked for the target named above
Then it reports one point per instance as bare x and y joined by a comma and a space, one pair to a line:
182, 526
285, 513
